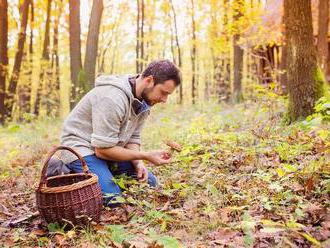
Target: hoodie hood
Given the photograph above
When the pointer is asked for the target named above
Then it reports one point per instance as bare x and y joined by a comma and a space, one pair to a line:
122, 82
119, 81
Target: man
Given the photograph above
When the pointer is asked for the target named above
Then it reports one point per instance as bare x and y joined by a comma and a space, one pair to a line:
105, 125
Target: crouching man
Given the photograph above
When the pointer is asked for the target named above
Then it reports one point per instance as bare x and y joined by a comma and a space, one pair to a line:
105, 126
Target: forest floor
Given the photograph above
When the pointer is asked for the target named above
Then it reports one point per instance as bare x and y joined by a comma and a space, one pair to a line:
243, 179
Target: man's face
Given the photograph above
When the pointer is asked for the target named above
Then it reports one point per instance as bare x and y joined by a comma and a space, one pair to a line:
158, 93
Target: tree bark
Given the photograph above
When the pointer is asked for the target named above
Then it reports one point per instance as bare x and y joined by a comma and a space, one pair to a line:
238, 54
92, 41
32, 27
178, 49
3, 56
75, 49
24, 11
44, 66
53, 107
305, 79
24, 88
142, 63
45, 51
283, 66
322, 39
137, 48
193, 54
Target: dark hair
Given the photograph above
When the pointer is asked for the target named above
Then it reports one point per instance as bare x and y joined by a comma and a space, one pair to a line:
163, 70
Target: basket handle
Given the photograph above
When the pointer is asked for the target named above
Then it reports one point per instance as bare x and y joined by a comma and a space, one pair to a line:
43, 180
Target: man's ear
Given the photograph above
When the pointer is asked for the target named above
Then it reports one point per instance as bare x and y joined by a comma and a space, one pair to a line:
150, 81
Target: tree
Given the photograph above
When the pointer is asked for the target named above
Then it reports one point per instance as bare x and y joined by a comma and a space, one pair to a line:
283, 64
178, 49
75, 49
24, 11
54, 87
139, 36
238, 6
305, 79
3, 56
193, 54
92, 41
322, 39
219, 39
44, 66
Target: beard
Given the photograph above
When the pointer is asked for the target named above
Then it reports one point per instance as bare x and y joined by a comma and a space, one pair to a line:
145, 96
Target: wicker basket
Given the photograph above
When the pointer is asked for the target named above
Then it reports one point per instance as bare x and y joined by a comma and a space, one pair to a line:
76, 198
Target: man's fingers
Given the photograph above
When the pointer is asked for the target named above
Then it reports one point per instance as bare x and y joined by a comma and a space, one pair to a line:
145, 176
139, 173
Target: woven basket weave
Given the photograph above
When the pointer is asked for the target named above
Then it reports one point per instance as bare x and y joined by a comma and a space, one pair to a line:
76, 198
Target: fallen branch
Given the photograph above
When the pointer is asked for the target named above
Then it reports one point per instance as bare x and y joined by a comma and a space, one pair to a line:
13, 223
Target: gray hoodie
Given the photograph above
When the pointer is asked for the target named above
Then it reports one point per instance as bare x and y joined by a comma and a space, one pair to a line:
109, 115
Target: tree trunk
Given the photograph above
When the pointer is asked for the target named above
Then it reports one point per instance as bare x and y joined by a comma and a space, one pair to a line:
24, 11
142, 63
3, 56
75, 49
238, 55
44, 66
92, 41
283, 72
178, 48
224, 83
32, 27
238, 71
24, 88
137, 48
45, 51
140, 36
193, 54
53, 106
322, 39
31, 55
305, 79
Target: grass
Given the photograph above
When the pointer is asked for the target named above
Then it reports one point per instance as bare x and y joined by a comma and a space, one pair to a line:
242, 178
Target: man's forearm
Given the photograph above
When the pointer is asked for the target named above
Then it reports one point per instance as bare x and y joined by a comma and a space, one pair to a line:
135, 147
118, 153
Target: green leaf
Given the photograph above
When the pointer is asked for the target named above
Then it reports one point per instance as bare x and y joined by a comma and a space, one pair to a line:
299, 212
289, 168
280, 172
118, 233
166, 241
14, 128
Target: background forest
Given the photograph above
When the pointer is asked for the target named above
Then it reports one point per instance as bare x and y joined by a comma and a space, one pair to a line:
252, 116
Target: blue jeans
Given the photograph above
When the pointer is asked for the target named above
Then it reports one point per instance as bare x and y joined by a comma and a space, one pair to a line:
106, 170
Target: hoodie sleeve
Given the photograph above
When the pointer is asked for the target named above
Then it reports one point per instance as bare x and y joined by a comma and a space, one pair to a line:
107, 116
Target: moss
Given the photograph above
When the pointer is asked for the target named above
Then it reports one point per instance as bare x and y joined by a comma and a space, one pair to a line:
320, 83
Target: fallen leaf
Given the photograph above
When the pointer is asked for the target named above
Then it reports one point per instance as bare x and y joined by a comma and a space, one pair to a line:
166, 206
223, 234
309, 185
59, 239
39, 232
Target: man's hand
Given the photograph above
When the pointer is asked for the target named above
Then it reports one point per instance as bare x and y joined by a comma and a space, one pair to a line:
141, 171
158, 157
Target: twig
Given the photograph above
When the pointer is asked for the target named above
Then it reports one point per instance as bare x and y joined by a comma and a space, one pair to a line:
14, 223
